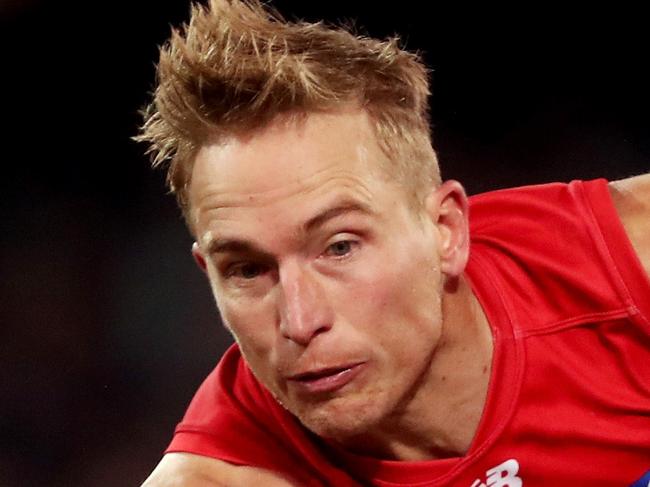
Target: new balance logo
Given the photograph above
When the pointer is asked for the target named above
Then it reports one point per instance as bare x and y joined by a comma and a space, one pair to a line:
504, 475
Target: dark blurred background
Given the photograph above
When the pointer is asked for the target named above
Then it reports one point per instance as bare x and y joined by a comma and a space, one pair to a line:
106, 327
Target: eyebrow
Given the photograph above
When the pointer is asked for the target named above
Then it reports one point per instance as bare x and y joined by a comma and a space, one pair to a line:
225, 245
338, 210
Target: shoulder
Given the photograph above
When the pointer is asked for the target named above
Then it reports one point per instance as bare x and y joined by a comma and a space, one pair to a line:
631, 198
558, 252
188, 470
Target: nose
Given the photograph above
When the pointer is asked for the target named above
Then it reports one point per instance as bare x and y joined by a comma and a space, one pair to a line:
304, 309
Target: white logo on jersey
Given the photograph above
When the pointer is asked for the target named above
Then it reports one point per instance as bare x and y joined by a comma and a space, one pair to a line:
504, 475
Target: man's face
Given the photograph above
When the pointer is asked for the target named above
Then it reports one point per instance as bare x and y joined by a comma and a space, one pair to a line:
325, 274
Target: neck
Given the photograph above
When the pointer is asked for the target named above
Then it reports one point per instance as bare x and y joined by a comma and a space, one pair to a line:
442, 417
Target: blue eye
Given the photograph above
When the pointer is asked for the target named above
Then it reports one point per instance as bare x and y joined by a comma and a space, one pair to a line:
245, 270
340, 248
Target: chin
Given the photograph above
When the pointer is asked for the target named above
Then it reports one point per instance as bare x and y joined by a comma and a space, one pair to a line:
342, 418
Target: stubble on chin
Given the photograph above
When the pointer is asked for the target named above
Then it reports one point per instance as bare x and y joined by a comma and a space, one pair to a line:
344, 417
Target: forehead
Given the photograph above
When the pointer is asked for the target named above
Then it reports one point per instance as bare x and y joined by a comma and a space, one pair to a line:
293, 145
288, 161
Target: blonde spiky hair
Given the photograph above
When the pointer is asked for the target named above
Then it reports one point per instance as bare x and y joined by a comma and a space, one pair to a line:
238, 64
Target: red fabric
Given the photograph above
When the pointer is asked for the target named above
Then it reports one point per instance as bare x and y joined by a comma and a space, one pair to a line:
569, 397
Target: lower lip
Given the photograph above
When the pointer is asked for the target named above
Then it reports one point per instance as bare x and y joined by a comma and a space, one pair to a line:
329, 383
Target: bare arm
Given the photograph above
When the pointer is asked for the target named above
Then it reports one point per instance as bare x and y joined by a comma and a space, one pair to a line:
188, 470
632, 200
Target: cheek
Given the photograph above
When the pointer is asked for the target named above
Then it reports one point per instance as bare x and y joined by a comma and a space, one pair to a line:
408, 279
399, 303
252, 324
252, 328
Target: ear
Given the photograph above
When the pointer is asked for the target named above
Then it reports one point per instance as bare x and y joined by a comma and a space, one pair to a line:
199, 258
448, 208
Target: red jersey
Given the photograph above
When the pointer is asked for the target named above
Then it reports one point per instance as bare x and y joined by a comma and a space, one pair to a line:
569, 398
